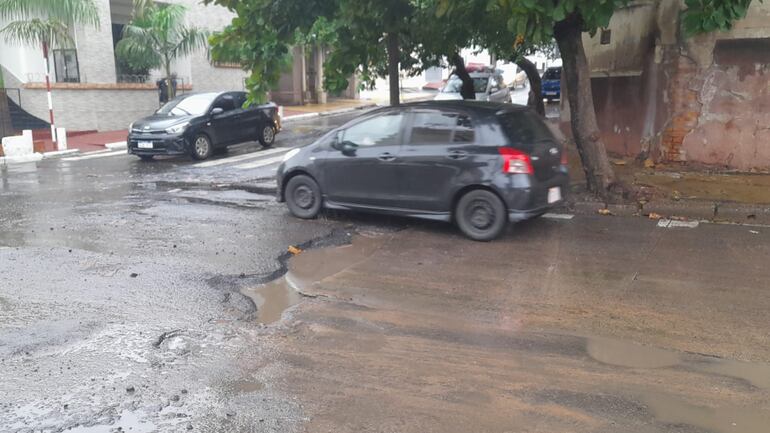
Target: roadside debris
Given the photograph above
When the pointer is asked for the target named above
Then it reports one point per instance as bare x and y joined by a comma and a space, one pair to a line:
605, 212
654, 216
754, 232
294, 250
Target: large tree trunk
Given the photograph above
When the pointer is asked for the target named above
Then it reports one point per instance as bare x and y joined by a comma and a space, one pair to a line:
535, 100
468, 90
393, 68
585, 130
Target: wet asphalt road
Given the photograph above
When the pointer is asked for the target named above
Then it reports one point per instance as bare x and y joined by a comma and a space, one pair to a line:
129, 293
119, 297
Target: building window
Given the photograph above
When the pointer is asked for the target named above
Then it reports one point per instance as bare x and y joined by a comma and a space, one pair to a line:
606, 37
66, 66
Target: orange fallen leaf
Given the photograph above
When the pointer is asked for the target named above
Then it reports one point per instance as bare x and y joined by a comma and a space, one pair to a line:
294, 250
654, 216
604, 212
649, 163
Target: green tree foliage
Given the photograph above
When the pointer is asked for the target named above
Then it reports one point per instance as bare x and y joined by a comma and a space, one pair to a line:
704, 16
156, 35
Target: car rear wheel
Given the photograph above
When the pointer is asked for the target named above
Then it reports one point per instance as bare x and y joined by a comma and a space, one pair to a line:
481, 215
201, 148
303, 196
267, 136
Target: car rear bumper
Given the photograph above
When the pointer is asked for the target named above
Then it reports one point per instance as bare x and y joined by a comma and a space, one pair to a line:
161, 144
531, 197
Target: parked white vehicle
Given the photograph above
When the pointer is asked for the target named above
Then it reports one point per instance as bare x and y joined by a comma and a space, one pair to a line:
489, 86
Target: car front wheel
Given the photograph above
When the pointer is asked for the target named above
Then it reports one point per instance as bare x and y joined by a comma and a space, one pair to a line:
201, 148
267, 136
481, 215
303, 196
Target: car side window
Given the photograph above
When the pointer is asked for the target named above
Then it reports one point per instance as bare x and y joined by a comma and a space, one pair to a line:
435, 127
225, 102
382, 130
464, 132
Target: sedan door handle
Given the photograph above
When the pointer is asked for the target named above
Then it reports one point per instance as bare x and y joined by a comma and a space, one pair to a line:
457, 154
387, 157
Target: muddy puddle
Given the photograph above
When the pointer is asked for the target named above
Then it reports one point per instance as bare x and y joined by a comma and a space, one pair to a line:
305, 270
672, 410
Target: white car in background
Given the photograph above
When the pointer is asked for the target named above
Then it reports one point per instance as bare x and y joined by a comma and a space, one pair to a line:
489, 86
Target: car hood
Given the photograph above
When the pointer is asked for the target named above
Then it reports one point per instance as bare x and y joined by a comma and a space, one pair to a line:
457, 97
159, 122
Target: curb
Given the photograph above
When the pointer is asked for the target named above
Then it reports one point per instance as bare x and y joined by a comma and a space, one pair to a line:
119, 145
325, 113
5, 160
689, 210
60, 153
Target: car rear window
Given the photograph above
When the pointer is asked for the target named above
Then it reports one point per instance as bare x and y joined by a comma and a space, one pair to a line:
524, 129
552, 74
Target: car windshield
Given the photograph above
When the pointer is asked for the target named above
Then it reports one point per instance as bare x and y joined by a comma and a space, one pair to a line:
455, 84
193, 105
552, 74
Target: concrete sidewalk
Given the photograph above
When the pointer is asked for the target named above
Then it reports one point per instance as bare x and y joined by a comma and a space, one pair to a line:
695, 193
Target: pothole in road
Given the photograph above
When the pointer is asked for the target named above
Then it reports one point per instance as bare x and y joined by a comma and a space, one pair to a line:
304, 272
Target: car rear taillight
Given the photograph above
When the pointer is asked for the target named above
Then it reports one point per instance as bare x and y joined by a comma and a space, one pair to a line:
564, 160
515, 161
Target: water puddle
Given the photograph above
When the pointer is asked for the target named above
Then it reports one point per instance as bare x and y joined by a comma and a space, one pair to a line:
305, 270
627, 354
670, 410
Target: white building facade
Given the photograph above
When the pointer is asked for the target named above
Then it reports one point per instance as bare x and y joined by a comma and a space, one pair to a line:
89, 91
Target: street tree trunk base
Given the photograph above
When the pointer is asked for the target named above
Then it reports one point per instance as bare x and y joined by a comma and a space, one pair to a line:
600, 176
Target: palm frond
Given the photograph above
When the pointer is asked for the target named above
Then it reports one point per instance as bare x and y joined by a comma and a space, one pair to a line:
191, 39
36, 32
138, 53
84, 12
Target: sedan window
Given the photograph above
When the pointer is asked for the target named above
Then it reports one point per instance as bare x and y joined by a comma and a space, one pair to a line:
378, 131
434, 127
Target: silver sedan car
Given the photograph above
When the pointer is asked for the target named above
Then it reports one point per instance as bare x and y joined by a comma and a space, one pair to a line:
489, 86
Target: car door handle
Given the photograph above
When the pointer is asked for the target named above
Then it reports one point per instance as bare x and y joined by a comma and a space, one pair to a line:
457, 154
387, 157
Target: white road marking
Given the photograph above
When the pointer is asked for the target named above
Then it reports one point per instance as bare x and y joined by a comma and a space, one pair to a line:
100, 154
559, 216
244, 157
671, 224
260, 163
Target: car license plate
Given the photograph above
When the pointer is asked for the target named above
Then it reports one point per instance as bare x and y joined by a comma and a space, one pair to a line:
144, 145
549, 93
554, 194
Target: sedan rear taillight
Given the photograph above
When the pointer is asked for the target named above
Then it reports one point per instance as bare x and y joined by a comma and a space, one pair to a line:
564, 160
515, 161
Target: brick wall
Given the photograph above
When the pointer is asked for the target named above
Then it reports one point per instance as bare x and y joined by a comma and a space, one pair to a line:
684, 108
100, 109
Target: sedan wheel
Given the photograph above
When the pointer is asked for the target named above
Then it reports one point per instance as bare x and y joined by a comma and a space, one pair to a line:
201, 147
267, 136
481, 215
303, 196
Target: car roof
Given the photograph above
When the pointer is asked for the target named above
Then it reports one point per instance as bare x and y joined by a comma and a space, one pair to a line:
479, 108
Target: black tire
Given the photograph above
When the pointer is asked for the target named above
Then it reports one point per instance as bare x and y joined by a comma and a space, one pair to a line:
267, 136
201, 147
146, 158
481, 215
303, 196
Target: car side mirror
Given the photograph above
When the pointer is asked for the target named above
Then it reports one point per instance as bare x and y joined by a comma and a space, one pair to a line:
217, 110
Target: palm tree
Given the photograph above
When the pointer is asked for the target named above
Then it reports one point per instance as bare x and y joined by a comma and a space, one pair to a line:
156, 35
48, 23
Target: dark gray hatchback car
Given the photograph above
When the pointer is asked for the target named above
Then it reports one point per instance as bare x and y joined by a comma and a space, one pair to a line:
479, 164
